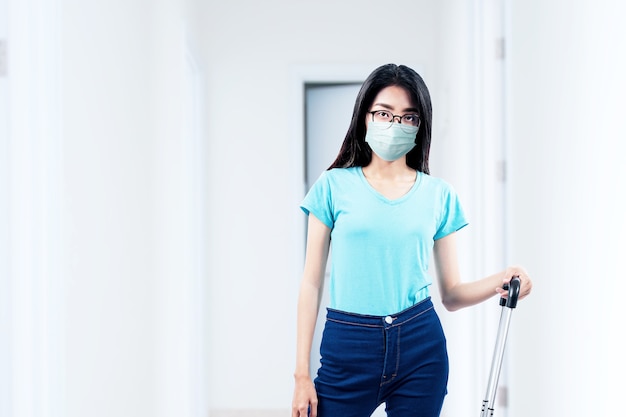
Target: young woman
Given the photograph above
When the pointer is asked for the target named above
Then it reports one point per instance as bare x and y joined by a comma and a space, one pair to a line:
386, 217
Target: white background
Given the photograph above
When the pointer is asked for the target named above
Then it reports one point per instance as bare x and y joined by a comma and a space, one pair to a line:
151, 257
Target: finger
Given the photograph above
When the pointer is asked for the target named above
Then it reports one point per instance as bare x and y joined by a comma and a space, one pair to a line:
300, 410
526, 285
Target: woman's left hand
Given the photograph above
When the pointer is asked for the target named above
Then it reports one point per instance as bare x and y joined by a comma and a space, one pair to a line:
526, 283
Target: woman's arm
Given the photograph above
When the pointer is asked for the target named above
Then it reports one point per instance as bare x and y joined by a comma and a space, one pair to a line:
456, 294
318, 244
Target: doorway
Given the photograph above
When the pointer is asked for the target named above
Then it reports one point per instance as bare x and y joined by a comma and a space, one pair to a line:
328, 111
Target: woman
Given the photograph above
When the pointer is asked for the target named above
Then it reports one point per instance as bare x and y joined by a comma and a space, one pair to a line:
386, 215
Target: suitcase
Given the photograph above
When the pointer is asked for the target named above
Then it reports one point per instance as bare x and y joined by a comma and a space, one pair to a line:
508, 304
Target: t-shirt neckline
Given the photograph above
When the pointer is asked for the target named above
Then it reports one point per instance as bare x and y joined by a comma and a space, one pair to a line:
415, 186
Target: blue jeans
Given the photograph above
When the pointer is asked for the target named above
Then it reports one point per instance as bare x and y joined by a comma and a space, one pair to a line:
400, 360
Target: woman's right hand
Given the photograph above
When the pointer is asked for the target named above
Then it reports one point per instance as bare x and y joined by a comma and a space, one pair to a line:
304, 398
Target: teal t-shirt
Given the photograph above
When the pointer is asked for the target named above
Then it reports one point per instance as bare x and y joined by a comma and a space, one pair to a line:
381, 248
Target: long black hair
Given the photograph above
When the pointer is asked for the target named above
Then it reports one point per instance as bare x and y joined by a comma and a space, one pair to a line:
354, 150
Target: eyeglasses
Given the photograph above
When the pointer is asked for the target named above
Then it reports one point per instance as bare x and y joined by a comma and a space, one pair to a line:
384, 116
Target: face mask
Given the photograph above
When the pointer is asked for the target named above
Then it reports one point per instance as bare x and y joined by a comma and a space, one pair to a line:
390, 142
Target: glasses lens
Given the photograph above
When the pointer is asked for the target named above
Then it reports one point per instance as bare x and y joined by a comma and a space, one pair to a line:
382, 116
411, 120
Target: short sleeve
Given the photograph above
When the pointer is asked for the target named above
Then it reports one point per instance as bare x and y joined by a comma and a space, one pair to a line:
318, 200
452, 216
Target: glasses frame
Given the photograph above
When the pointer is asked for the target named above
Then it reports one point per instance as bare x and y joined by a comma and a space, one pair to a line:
393, 118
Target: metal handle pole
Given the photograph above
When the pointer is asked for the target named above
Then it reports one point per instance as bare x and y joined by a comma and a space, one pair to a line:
508, 304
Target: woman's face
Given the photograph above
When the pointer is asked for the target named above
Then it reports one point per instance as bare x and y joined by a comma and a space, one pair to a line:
393, 99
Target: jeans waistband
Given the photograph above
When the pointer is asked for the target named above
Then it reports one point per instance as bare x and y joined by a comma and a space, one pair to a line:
390, 320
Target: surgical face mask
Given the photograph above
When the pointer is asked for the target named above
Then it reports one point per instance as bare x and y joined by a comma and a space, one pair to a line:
390, 141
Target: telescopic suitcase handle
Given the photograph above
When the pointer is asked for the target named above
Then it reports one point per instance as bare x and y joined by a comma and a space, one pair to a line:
510, 301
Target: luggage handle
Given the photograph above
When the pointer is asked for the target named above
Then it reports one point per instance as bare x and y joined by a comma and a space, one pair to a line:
513, 287
510, 301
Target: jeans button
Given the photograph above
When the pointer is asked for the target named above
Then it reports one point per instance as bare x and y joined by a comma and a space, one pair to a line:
388, 319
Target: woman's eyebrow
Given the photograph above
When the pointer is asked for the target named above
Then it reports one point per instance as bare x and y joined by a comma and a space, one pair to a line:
387, 106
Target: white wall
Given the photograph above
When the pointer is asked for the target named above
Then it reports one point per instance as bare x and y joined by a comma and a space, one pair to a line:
133, 191
31, 266
109, 191
5, 306
566, 89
